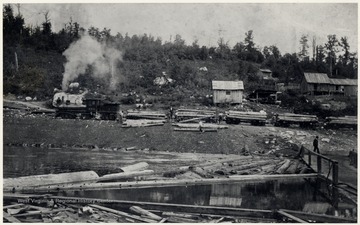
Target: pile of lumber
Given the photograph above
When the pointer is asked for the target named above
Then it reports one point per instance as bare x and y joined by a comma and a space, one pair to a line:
346, 120
292, 117
150, 115
61, 209
143, 123
194, 115
246, 116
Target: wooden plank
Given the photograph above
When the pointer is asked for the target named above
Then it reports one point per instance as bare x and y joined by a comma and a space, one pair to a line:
124, 214
319, 217
288, 215
146, 213
9, 218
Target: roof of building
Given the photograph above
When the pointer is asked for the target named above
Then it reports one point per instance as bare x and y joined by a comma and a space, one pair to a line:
344, 82
227, 85
265, 70
317, 78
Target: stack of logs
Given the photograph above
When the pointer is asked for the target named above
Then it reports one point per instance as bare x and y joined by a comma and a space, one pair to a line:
144, 119
254, 118
194, 115
338, 122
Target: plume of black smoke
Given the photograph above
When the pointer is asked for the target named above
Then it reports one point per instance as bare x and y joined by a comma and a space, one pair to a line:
88, 52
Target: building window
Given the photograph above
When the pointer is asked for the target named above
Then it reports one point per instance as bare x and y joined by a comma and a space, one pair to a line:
227, 92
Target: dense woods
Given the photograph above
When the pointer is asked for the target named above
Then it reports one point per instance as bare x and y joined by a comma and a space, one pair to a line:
34, 60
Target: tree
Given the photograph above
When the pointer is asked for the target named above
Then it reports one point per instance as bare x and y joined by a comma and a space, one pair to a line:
346, 47
303, 54
331, 47
249, 41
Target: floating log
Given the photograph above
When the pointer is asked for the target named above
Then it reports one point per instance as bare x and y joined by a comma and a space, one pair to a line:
117, 176
158, 183
135, 167
49, 179
124, 214
253, 165
293, 167
146, 213
284, 166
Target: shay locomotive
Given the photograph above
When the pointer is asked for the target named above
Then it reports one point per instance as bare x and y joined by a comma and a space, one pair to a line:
85, 106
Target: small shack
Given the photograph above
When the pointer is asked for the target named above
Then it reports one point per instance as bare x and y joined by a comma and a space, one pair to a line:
346, 87
315, 84
227, 92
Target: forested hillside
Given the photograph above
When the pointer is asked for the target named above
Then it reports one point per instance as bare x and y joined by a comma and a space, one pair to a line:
35, 60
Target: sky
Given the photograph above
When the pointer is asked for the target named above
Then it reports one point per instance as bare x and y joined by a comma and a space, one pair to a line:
280, 24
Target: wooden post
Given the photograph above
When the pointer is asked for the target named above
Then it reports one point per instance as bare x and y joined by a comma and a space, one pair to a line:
335, 176
319, 164
309, 152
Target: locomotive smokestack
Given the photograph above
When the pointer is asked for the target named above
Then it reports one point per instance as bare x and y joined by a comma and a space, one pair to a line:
86, 53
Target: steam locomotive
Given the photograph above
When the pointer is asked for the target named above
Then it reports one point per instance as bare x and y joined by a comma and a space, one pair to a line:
85, 106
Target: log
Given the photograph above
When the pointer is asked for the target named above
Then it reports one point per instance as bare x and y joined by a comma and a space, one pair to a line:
17, 211
283, 167
183, 215
124, 214
195, 119
39, 212
49, 179
135, 167
160, 183
175, 172
227, 160
13, 206
10, 218
288, 215
117, 176
205, 125
146, 213
254, 164
195, 129
292, 168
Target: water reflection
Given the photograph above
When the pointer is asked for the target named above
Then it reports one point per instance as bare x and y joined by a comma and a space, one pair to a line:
277, 194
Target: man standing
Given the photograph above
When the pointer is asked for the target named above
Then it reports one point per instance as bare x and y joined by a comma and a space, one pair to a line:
316, 144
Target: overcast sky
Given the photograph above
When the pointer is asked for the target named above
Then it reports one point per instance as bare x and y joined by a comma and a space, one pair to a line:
279, 24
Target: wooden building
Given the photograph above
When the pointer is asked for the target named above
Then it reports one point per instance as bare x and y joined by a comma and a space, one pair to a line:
346, 87
227, 92
321, 84
315, 84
